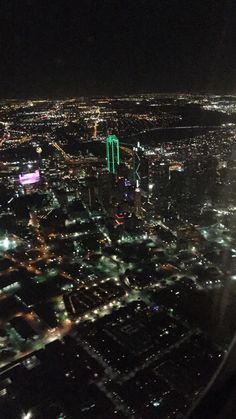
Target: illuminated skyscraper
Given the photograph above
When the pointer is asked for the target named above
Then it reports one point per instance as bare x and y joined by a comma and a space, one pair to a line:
94, 136
113, 153
140, 167
137, 200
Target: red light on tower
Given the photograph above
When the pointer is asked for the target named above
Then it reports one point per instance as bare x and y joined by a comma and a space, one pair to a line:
119, 219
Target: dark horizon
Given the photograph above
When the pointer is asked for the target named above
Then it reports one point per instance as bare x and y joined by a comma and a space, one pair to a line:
121, 94
58, 49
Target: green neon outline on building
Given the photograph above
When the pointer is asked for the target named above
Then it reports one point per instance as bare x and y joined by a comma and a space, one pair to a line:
113, 152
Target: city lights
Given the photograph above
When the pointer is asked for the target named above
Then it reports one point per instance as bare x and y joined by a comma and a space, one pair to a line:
117, 248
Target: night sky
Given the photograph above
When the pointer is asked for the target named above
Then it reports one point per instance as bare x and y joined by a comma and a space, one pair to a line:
57, 48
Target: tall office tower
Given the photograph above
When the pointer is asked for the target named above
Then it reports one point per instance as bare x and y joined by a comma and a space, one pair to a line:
105, 185
92, 190
140, 167
94, 135
137, 200
113, 153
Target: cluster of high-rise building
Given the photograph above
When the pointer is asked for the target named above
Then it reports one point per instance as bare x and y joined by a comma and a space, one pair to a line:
117, 239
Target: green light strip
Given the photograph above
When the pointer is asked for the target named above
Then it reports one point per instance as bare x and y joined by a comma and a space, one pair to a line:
112, 156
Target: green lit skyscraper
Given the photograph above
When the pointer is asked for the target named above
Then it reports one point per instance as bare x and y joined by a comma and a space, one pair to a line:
113, 153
